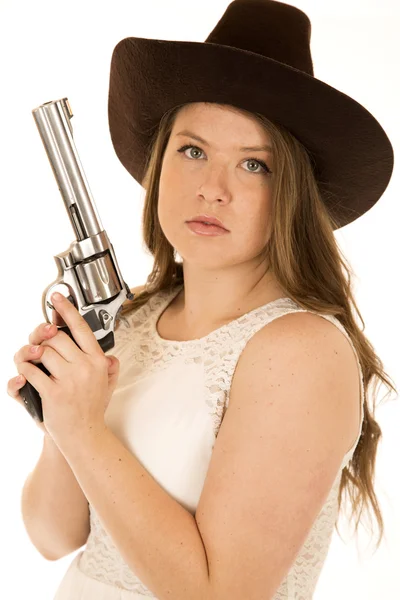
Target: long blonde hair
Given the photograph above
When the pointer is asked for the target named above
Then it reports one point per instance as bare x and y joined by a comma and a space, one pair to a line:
303, 254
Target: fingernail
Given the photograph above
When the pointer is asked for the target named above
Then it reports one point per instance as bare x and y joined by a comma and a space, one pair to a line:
19, 379
47, 327
56, 297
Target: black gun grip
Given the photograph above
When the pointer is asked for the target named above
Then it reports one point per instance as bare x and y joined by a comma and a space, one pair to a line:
30, 395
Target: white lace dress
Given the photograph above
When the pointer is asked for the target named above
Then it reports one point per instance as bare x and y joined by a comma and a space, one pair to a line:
167, 409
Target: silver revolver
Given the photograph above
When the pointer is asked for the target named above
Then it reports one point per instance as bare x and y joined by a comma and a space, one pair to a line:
88, 272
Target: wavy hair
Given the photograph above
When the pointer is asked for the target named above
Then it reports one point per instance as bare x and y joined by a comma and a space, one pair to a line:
304, 256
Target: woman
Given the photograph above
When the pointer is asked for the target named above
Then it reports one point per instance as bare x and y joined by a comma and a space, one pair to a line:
235, 415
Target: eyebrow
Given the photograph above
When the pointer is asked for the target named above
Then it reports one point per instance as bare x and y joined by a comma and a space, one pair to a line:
244, 149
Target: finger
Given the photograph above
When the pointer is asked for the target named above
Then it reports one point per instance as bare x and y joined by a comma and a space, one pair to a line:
40, 333
45, 354
113, 364
43, 384
51, 355
14, 386
80, 330
26, 353
13, 390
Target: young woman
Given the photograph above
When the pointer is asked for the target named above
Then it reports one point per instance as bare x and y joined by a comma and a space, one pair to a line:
210, 460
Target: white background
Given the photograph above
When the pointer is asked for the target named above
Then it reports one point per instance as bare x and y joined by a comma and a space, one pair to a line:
51, 50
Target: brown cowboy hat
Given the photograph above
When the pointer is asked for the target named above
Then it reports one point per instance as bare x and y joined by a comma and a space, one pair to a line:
257, 58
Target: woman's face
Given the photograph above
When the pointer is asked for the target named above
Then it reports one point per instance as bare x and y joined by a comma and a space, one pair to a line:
216, 178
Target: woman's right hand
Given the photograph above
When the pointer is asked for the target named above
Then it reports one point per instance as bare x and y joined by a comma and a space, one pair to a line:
38, 337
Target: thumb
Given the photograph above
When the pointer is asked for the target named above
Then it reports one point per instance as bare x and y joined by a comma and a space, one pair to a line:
113, 363
113, 376
113, 371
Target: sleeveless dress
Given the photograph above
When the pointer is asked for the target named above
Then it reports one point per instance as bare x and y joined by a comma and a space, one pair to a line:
176, 392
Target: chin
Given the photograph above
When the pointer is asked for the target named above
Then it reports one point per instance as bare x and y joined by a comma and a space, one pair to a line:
205, 259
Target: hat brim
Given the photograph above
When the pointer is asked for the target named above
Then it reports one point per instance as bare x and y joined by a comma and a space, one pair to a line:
352, 155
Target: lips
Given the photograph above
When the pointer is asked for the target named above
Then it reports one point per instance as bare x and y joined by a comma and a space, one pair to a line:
202, 229
207, 220
209, 223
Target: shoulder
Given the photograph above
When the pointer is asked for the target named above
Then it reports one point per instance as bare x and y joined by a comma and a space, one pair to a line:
304, 356
306, 334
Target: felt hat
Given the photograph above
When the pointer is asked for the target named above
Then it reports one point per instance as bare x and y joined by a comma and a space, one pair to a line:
257, 58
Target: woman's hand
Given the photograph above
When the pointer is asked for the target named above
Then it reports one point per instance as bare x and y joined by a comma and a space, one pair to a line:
38, 336
78, 391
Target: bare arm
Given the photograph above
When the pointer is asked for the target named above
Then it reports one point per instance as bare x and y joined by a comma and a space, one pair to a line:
55, 511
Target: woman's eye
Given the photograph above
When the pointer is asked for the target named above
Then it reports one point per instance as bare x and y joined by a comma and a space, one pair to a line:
264, 167
184, 148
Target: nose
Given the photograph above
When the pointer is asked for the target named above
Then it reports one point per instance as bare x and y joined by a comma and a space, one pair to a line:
215, 185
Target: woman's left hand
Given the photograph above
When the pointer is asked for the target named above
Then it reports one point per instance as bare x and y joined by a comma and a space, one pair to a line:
78, 391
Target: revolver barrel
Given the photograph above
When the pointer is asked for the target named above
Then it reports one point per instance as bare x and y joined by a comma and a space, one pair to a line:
53, 120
